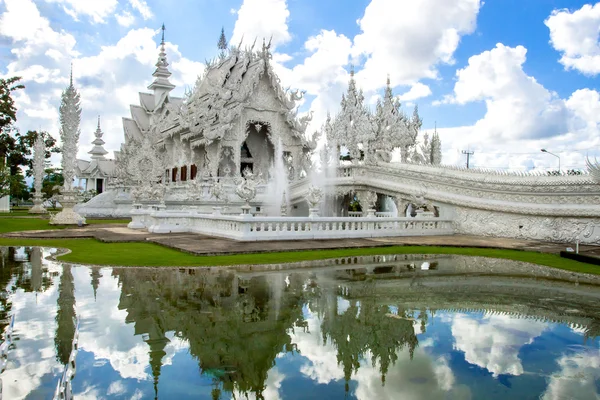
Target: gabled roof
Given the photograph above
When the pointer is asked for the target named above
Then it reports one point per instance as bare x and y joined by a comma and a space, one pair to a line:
140, 116
227, 88
147, 101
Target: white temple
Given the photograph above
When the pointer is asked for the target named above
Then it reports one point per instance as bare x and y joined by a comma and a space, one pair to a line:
236, 144
96, 173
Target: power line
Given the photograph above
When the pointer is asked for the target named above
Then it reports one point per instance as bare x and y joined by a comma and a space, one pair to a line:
468, 154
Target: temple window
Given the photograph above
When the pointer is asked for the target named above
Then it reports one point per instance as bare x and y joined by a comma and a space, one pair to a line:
184, 173
193, 172
246, 160
174, 175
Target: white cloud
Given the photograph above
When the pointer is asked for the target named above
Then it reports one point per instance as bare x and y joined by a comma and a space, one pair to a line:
142, 7
109, 81
125, 19
321, 74
575, 35
97, 10
522, 116
398, 38
517, 105
33, 35
417, 91
262, 19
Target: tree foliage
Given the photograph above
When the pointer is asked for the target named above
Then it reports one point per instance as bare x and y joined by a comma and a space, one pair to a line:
53, 180
8, 110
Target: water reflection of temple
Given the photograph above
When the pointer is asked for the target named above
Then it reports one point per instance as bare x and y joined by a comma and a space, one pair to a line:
237, 325
369, 308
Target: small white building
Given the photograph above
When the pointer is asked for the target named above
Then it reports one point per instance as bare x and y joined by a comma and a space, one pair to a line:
97, 173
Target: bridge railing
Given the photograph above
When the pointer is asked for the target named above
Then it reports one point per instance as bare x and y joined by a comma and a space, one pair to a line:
249, 228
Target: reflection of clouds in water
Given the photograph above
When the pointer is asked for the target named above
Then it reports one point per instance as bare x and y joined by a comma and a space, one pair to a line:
34, 353
493, 342
420, 378
103, 330
577, 377
116, 388
272, 387
322, 366
342, 305
104, 333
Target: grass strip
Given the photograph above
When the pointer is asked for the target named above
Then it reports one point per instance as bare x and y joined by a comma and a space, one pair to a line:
8, 224
92, 251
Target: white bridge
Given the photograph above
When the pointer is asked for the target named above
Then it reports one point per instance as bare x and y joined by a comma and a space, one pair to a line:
552, 208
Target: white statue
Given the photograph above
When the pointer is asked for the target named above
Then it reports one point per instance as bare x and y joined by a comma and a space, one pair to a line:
246, 185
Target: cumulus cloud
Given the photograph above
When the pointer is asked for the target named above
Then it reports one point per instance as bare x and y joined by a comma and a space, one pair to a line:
321, 74
109, 81
262, 19
520, 114
142, 7
96, 10
575, 35
399, 39
125, 19
417, 91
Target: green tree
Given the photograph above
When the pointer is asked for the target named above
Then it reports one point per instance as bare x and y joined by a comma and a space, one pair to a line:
18, 187
53, 179
8, 110
4, 178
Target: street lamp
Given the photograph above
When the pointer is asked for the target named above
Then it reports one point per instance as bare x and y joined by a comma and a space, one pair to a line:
546, 151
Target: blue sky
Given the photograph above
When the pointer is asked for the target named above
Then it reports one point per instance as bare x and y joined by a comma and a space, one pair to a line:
503, 78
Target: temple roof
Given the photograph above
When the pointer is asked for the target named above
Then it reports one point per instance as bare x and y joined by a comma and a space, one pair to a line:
95, 168
229, 85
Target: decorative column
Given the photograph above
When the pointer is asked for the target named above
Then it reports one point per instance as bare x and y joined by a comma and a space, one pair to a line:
39, 155
70, 117
367, 200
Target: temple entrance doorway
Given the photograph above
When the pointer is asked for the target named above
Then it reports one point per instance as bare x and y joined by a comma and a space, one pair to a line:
257, 151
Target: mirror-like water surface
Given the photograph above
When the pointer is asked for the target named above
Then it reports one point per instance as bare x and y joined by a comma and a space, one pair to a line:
403, 327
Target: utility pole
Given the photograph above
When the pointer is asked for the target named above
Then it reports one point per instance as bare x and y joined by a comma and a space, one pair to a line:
468, 153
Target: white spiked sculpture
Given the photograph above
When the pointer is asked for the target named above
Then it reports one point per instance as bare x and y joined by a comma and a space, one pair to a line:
39, 155
70, 117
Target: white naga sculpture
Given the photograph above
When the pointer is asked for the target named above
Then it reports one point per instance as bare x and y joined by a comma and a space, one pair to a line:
70, 117
39, 157
246, 188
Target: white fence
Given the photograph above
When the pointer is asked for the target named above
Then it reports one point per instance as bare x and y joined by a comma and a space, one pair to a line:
249, 228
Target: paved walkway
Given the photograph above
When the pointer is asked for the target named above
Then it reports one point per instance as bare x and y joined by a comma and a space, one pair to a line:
206, 245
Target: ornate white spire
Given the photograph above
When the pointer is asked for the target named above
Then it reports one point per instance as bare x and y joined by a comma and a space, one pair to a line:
39, 156
436, 148
391, 124
161, 74
98, 152
352, 126
70, 117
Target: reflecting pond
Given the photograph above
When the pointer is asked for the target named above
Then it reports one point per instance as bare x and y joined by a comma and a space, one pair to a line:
393, 327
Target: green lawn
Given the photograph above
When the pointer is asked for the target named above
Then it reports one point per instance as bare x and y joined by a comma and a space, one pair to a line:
24, 224
8, 224
91, 251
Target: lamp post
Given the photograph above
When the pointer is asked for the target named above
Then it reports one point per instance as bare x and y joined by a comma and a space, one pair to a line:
546, 151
